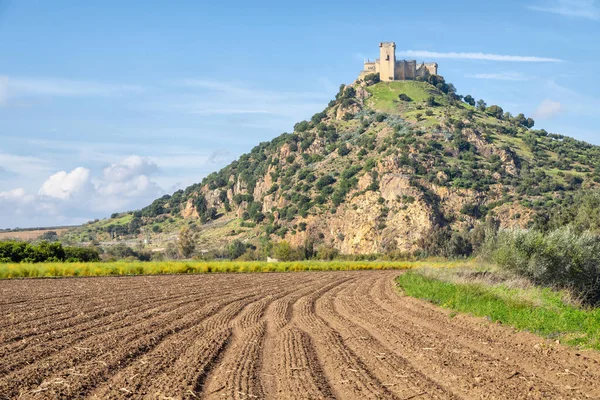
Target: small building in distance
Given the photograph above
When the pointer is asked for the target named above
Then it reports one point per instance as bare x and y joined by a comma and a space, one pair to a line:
391, 70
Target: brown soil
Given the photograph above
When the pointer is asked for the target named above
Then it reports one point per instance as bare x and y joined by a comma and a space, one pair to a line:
250, 336
30, 234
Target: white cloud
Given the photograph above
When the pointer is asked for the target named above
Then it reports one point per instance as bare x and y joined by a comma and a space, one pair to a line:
133, 187
71, 197
425, 54
548, 109
570, 8
66, 185
16, 195
18, 86
502, 76
129, 168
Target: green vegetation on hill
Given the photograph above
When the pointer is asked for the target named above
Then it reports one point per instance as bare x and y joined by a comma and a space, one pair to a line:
462, 161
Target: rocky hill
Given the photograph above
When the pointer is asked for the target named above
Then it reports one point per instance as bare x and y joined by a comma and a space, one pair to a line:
384, 166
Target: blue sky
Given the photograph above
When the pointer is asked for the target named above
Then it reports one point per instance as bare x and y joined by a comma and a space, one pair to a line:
106, 105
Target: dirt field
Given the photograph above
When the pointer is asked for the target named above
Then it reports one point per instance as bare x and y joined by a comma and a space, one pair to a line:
31, 234
250, 336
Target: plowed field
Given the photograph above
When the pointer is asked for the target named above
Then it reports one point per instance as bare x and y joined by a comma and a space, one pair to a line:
252, 336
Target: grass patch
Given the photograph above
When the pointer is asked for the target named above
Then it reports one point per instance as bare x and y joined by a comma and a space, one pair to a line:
118, 268
538, 310
385, 94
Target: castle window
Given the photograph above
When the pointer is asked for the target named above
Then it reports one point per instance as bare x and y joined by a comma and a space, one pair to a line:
387, 58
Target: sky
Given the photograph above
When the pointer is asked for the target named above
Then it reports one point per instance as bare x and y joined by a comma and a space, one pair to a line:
107, 105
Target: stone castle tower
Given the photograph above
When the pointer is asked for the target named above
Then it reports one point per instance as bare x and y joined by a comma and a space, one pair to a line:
387, 61
391, 70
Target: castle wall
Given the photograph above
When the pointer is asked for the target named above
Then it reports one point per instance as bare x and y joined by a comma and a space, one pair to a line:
405, 70
411, 69
387, 61
432, 68
370, 67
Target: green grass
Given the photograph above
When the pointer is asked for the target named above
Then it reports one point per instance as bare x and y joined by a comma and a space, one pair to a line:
541, 311
122, 220
385, 94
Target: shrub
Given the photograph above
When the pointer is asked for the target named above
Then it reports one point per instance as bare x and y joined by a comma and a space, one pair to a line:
236, 249
563, 258
404, 97
324, 181
372, 79
327, 253
343, 150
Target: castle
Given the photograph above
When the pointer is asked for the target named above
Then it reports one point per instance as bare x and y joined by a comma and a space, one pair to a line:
391, 70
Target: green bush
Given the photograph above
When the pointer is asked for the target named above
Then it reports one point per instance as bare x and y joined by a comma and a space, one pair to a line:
564, 258
16, 252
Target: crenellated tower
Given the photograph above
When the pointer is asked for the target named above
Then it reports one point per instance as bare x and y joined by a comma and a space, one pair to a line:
387, 61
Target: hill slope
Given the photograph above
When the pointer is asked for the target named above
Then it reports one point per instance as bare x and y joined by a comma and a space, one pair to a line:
380, 169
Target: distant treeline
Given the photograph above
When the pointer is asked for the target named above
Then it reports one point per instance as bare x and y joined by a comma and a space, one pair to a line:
16, 252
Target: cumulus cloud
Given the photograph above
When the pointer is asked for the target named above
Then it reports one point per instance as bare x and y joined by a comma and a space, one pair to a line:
588, 9
16, 195
548, 109
67, 185
128, 168
426, 54
72, 197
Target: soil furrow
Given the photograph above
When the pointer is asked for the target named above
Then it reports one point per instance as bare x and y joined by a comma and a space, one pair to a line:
475, 373
347, 375
312, 335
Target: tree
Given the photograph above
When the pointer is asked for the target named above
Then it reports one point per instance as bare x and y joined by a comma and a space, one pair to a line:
520, 119
430, 101
301, 126
186, 242
530, 123
236, 249
404, 97
283, 251
469, 100
481, 105
324, 181
495, 111
50, 236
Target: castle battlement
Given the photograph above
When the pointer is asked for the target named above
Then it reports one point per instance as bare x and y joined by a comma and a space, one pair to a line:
391, 70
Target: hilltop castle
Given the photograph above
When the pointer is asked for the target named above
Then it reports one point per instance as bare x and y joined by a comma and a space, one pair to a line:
391, 70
